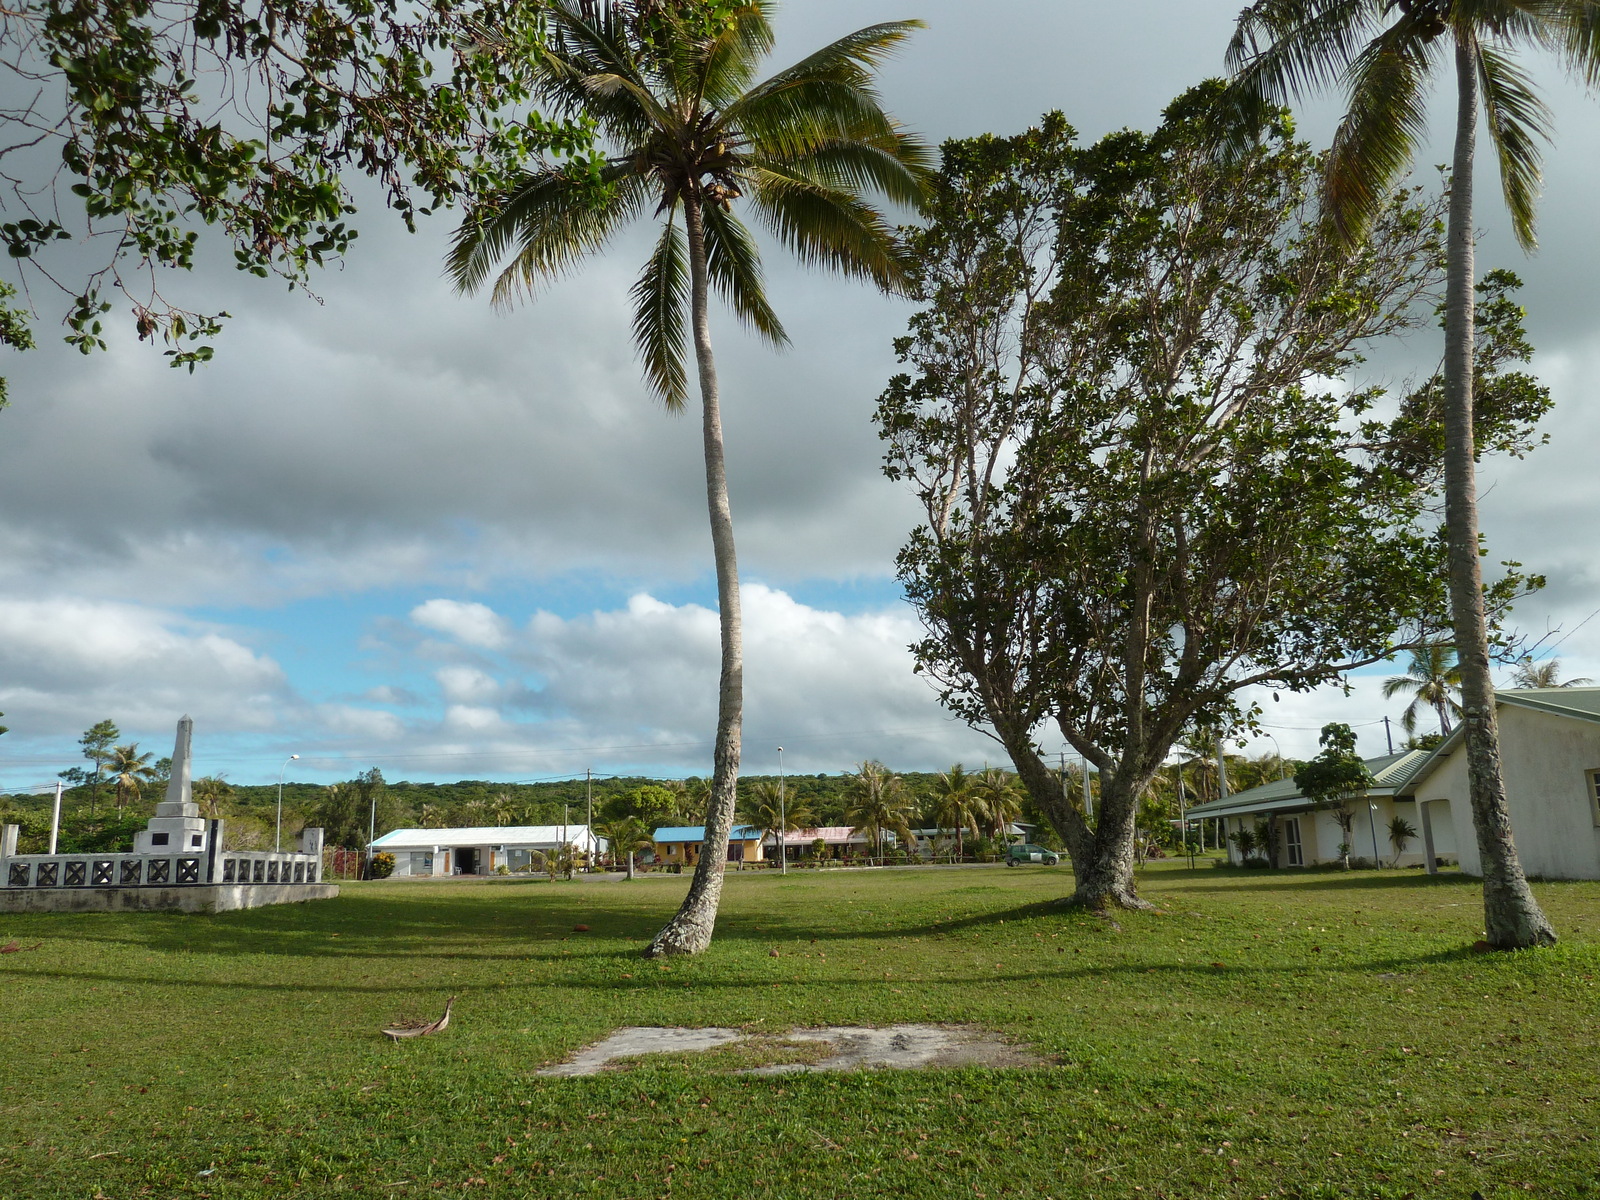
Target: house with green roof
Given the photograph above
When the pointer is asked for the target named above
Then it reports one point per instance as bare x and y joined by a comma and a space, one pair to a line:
1299, 834
1550, 757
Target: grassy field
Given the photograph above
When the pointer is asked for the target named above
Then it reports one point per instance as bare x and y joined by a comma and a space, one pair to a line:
1316, 1035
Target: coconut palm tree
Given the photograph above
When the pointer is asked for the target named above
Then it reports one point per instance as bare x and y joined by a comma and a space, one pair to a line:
209, 792
1000, 798
503, 808
129, 770
669, 86
625, 837
1433, 677
879, 803
956, 805
763, 809
1385, 54
1546, 674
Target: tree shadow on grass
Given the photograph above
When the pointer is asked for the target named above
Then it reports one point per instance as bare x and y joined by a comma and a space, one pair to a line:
507, 924
1216, 978
1214, 879
484, 927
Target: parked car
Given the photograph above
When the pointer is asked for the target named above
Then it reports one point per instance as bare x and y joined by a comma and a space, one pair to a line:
1027, 852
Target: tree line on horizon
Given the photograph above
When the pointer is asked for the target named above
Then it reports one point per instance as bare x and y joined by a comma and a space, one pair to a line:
110, 800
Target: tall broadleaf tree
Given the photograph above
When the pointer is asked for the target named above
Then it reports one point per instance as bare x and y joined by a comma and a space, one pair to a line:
670, 87
1140, 496
1384, 54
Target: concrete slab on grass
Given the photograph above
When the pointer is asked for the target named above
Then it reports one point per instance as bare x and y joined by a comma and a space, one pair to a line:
857, 1048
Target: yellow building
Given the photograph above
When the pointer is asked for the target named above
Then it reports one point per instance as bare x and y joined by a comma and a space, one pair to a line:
681, 844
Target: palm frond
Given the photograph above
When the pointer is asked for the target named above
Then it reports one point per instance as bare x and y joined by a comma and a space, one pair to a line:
588, 70
1282, 50
902, 171
1385, 120
851, 60
828, 227
551, 220
1575, 37
730, 60
734, 264
660, 299
810, 112
1518, 121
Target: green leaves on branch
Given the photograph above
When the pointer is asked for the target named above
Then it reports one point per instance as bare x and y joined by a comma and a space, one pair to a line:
164, 117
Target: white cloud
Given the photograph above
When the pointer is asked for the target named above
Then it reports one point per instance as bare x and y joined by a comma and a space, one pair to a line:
635, 688
471, 624
63, 658
465, 684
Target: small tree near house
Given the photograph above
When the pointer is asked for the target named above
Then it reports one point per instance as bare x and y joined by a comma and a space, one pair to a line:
1401, 834
1335, 777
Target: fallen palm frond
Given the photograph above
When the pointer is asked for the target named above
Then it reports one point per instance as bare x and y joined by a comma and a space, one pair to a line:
420, 1029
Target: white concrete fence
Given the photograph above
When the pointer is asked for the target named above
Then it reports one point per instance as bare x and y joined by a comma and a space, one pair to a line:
206, 867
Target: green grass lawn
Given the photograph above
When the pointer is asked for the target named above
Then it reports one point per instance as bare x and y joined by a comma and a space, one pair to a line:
1307, 1035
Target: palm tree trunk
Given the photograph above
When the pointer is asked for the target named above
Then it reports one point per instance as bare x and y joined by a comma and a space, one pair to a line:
1512, 917
689, 932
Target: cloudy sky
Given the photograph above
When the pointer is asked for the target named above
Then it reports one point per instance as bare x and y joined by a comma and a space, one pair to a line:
390, 527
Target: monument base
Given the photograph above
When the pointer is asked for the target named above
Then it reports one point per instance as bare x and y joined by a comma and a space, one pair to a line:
206, 898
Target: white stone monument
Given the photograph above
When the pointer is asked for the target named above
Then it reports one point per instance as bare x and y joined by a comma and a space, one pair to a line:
177, 827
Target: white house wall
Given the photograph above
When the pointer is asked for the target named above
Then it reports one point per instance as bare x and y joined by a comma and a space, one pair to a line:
1546, 759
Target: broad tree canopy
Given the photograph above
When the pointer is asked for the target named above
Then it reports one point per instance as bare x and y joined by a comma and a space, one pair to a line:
1149, 474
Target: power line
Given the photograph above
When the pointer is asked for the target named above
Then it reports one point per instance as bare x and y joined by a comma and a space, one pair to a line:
1575, 629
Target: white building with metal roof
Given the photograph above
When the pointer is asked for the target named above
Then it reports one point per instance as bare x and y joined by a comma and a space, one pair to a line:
1550, 759
480, 850
1302, 835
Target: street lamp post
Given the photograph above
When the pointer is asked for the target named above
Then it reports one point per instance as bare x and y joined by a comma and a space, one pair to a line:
1283, 763
277, 838
783, 822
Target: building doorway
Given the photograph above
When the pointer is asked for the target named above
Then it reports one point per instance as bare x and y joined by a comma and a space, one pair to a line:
467, 860
1293, 851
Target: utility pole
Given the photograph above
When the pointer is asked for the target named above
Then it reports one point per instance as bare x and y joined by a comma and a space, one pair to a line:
783, 821
588, 815
1088, 798
1183, 812
1388, 734
55, 816
565, 845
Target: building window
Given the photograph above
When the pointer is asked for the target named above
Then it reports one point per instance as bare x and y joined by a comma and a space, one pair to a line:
1594, 796
1294, 854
